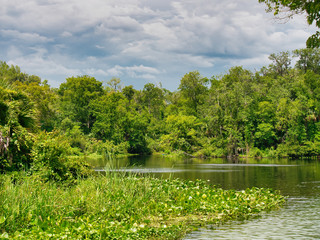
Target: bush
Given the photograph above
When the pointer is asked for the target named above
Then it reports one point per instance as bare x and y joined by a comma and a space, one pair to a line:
108, 149
52, 161
256, 152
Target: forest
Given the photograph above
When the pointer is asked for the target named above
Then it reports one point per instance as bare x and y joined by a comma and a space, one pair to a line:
273, 112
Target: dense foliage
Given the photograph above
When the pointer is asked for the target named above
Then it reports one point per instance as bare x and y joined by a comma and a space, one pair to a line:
272, 112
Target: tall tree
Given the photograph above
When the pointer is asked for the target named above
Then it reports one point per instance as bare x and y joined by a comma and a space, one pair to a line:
45, 101
309, 59
280, 63
153, 99
76, 95
128, 92
117, 123
16, 124
193, 88
114, 84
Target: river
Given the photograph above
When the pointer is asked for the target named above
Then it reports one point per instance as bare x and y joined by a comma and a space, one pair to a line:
297, 179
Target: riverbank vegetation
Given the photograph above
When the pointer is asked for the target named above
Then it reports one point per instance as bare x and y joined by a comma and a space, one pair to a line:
273, 112
116, 206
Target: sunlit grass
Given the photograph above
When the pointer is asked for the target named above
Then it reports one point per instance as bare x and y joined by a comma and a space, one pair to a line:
121, 206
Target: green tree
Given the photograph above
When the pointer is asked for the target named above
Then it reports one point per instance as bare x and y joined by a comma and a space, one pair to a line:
265, 136
76, 94
309, 59
280, 63
128, 92
114, 84
52, 159
16, 126
12, 74
236, 101
312, 81
117, 122
107, 112
182, 133
153, 99
45, 101
193, 88
135, 133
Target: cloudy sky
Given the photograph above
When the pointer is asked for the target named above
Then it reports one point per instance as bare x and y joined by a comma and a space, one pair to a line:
141, 41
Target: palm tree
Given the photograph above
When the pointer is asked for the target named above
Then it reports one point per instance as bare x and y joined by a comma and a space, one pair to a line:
16, 125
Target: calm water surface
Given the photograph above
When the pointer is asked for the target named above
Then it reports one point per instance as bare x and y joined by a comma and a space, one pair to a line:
297, 179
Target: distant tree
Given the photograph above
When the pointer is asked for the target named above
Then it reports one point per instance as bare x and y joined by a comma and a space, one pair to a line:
116, 123
109, 114
280, 63
182, 133
235, 106
114, 84
12, 74
309, 59
76, 95
128, 92
153, 99
193, 88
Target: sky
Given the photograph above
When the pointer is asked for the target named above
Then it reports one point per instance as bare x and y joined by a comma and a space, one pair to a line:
142, 41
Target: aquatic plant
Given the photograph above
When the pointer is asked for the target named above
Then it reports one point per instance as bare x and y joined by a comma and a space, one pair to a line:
120, 206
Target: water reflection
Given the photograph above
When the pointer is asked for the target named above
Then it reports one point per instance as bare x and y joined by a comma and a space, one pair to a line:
162, 170
288, 176
300, 219
298, 179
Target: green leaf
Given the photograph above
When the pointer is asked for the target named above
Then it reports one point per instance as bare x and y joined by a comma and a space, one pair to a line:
2, 219
4, 236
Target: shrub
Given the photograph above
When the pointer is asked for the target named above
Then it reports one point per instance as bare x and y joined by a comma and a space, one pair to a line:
52, 161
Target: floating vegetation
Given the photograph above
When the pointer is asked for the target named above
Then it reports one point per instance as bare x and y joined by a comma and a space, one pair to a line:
121, 206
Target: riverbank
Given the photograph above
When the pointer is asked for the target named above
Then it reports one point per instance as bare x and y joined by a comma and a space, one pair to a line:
116, 206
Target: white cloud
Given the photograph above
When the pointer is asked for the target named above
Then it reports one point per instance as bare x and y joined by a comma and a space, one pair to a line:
13, 52
46, 68
93, 71
66, 34
24, 36
141, 39
134, 71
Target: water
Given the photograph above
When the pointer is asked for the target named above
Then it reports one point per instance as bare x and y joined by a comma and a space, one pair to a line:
297, 179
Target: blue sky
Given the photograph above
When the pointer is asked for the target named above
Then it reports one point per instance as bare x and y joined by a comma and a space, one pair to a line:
141, 41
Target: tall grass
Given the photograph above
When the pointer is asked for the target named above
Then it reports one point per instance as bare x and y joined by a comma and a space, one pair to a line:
120, 206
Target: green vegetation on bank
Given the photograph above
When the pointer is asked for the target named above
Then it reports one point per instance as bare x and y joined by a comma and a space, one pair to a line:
273, 112
116, 206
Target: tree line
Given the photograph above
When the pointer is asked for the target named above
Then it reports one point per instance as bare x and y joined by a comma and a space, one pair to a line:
272, 112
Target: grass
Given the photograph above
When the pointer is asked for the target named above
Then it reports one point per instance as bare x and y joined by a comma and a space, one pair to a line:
120, 206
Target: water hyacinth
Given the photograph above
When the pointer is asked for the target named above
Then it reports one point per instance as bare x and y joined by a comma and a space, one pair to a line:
116, 206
